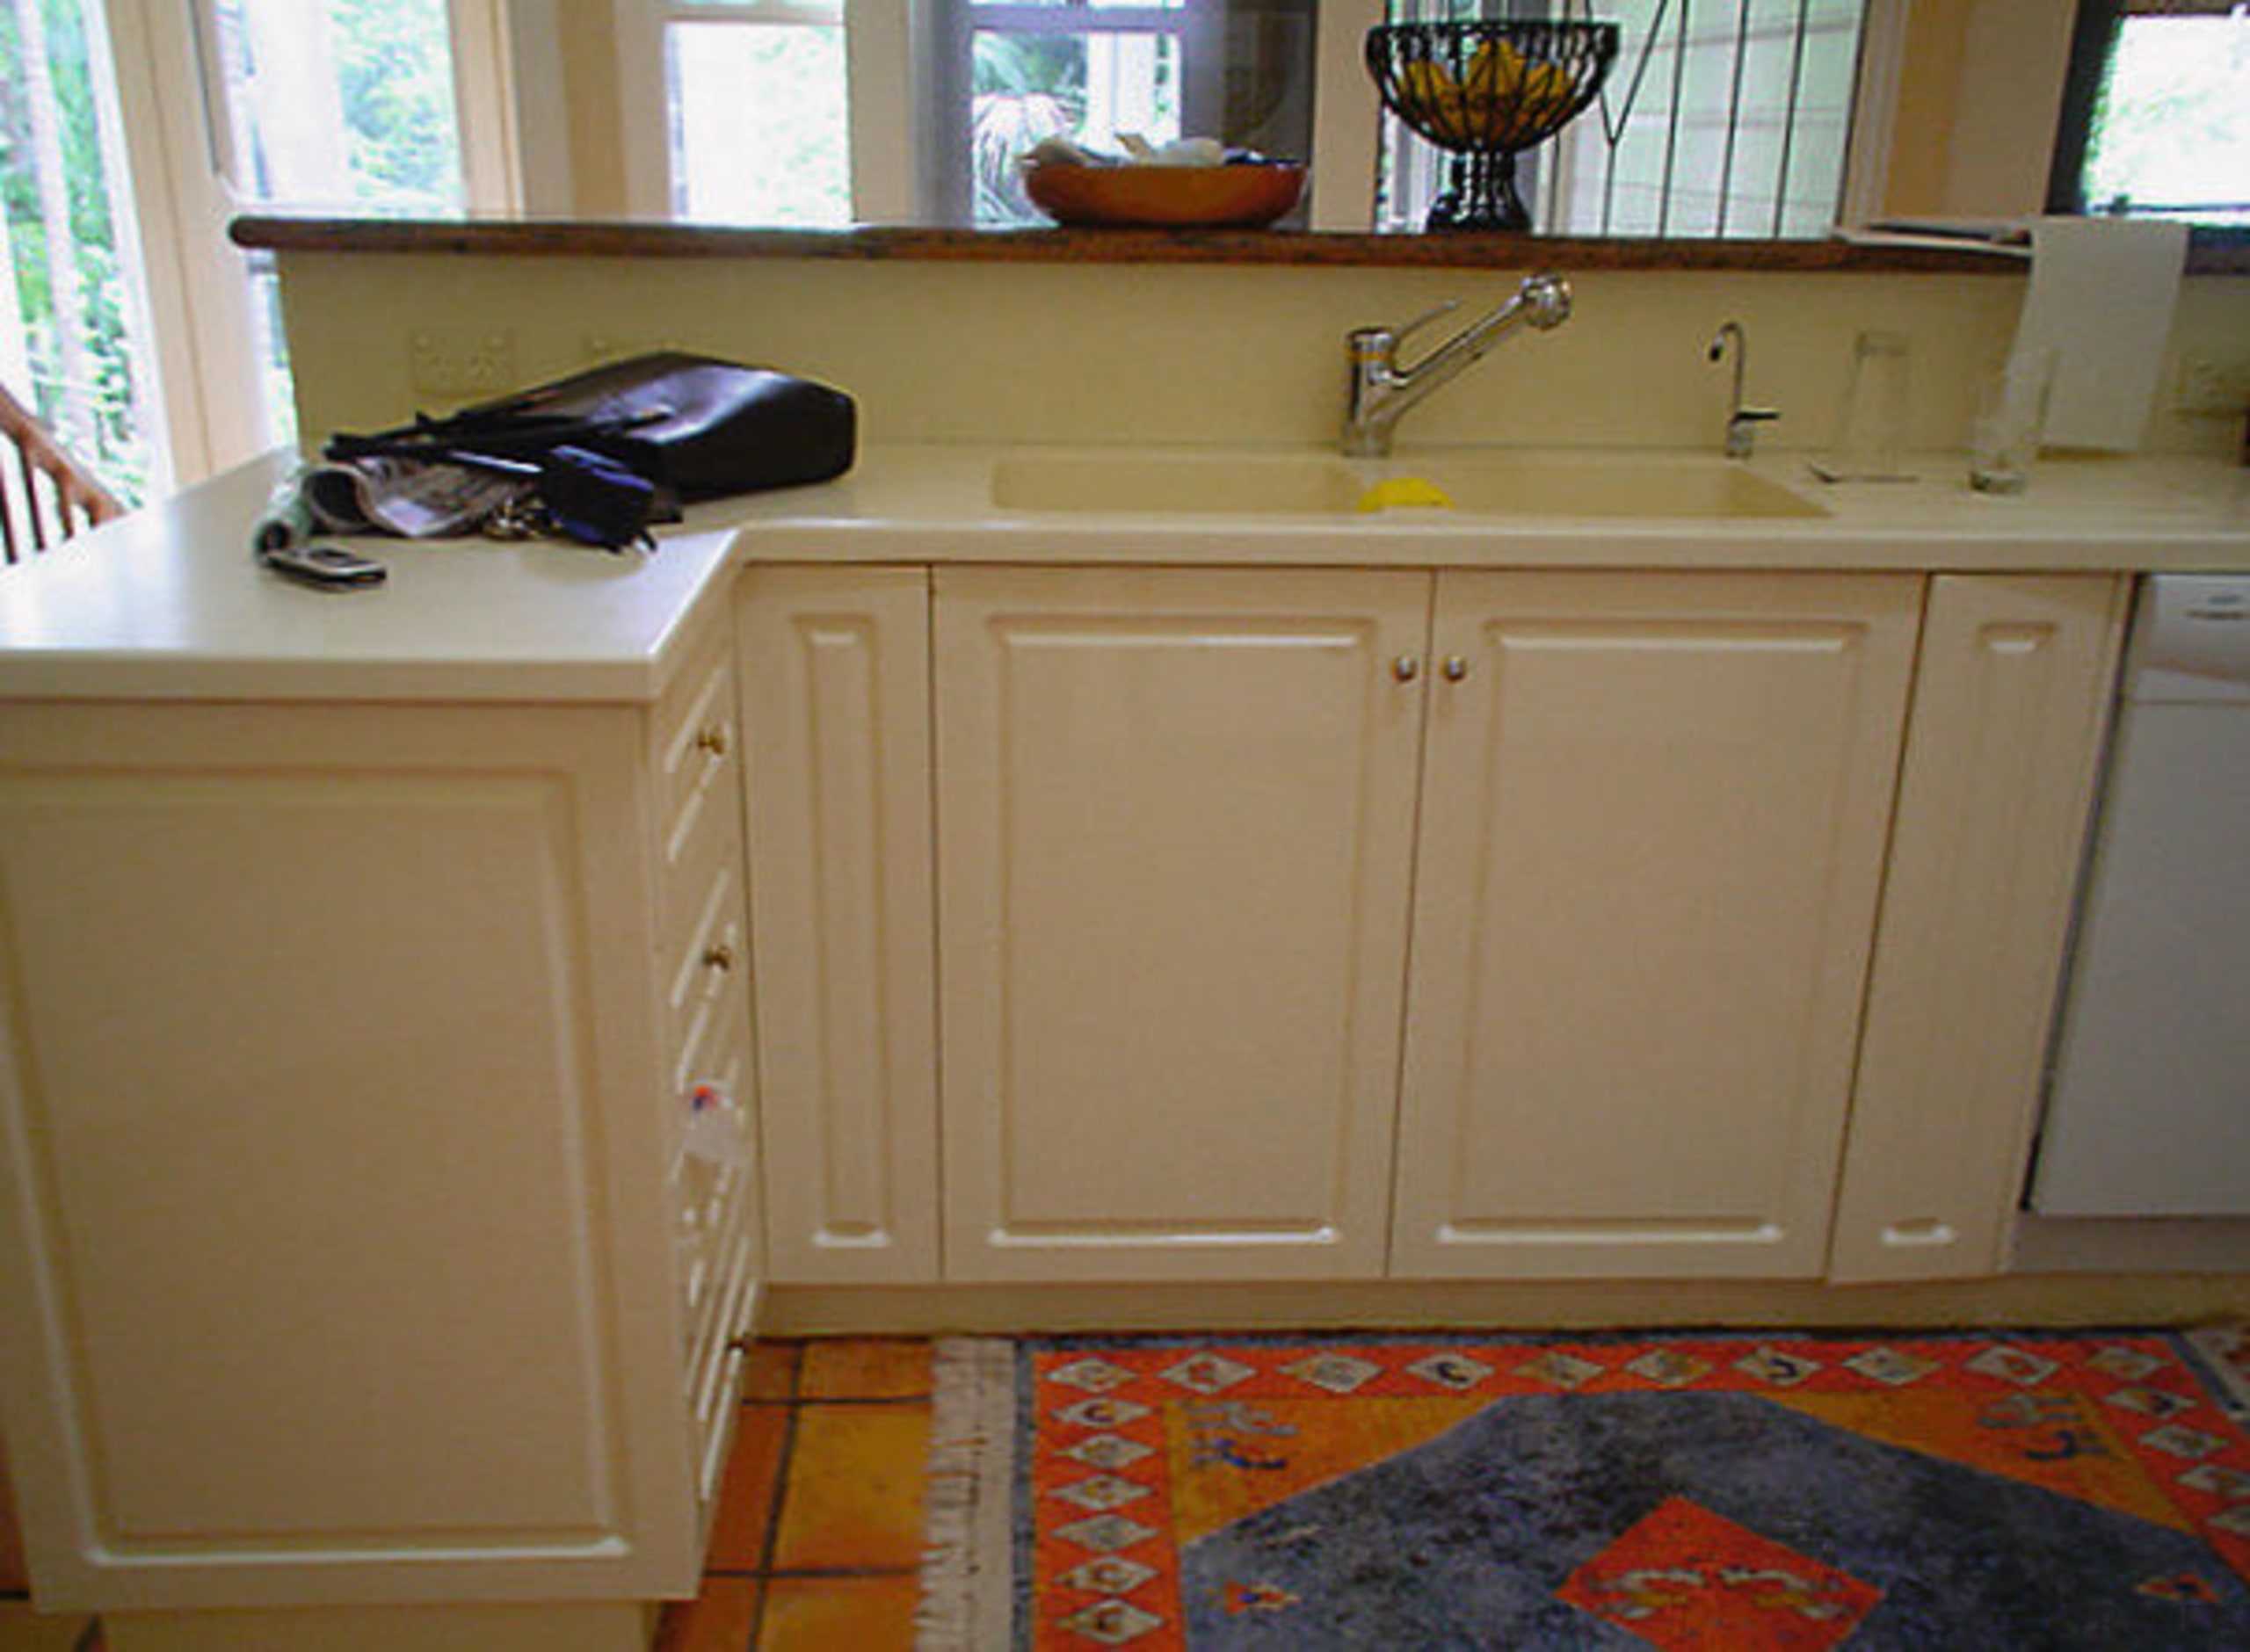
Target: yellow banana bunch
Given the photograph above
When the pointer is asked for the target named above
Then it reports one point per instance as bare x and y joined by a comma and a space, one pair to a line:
1503, 98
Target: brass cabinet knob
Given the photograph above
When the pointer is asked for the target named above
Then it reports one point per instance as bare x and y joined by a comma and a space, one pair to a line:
719, 956
713, 740
1456, 668
1405, 668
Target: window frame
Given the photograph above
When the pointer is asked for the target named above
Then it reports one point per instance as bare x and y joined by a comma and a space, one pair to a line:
2092, 34
2093, 37
196, 289
950, 113
881, 55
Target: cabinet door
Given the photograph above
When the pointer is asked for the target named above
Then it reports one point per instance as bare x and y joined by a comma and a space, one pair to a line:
1176, 809
1653, 824
334, 1255
835, 683
1992, 809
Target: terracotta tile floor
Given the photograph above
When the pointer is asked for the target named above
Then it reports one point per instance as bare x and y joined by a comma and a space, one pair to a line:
818, 1532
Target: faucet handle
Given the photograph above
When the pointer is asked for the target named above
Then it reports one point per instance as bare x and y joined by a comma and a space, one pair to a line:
1428, 315
1378, 346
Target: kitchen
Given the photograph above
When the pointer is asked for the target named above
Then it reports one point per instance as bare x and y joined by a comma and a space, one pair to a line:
952, 361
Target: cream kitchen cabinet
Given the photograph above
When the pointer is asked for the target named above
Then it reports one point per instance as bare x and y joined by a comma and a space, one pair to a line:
835, 695
1176, 817
2010, 707
377, 1143
1653, 820
1298, 924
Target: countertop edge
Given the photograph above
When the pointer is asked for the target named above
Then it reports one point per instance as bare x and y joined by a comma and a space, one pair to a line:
166, 604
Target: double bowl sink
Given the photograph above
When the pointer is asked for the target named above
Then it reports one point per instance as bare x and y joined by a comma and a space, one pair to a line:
1639, 486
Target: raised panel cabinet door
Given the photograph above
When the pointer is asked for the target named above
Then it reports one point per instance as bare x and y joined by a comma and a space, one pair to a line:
835, 686
334, 1253
1177, 810
2009, 709
1653, 819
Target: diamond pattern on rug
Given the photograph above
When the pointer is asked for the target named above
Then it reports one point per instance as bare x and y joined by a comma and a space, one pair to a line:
1685, 1579
1336, 1373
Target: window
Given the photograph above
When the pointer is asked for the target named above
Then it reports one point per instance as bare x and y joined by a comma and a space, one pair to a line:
1719, 117
811, 112
1093, 71
131, 132
2156, 117
760, 111
1088, 72
345, 107
70, 314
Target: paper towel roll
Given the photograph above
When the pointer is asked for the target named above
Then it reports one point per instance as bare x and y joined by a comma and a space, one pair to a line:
2103, 291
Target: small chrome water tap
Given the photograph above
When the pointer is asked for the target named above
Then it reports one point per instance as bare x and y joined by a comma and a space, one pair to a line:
1382, 390
1742, 422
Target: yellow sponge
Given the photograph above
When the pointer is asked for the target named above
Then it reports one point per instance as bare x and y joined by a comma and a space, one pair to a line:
1407, 491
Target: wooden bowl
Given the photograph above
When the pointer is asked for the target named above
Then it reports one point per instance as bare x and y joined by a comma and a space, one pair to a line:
1245, 197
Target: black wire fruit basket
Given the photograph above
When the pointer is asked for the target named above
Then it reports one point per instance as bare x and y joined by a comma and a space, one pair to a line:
1485, 92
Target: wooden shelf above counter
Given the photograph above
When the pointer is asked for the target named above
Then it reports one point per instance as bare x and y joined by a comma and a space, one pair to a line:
2213, 252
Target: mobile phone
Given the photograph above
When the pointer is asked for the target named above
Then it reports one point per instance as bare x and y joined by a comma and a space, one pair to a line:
327, 566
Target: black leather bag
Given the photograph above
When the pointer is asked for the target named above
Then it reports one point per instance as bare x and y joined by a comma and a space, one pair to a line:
697, 427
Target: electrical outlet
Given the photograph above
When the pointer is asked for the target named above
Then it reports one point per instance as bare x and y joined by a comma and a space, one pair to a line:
461, 361
2210, 383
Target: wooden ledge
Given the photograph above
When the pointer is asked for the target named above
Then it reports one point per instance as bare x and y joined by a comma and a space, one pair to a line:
556, 238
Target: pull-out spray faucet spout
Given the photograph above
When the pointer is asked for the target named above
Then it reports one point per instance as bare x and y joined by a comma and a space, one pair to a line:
1382, 390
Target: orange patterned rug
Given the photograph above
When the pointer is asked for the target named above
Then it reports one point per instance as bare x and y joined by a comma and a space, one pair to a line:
1743, 1492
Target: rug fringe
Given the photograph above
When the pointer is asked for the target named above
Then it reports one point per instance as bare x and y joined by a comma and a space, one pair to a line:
968, 1543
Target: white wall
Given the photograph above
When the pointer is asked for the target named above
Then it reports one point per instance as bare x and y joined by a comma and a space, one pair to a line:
969, 352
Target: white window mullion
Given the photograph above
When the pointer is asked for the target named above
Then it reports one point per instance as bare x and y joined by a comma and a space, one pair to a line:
487, 96
1346, 124
202, 332
643, 109
885, 53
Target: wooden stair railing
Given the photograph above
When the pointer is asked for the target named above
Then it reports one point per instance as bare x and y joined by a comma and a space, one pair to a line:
50, 496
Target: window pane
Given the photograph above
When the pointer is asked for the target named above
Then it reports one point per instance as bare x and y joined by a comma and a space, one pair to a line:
1730, 119
347, 105
759, 128
1091, 5
2171, 134
67, 312
1089, 88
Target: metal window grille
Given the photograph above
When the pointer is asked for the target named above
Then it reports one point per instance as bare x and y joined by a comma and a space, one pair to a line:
1721, 118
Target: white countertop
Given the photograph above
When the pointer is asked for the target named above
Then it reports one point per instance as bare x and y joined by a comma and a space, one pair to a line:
934, 503
169, 604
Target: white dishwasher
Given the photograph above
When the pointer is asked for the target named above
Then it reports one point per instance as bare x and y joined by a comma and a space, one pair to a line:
2148, 1113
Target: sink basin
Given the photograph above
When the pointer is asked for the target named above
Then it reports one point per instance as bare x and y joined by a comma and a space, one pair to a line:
1648, 487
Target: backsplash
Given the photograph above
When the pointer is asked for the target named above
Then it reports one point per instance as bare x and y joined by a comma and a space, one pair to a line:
1116, 353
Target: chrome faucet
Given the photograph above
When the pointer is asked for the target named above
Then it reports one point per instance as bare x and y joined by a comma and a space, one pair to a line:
1382, 390
1742, 422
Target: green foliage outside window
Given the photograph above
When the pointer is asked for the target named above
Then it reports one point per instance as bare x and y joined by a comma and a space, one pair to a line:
82, 386
394, 71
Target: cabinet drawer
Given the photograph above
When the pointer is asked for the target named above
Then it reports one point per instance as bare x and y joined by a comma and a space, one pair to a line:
710, 853
710, 968
714, 1372
707, 1189
699, 741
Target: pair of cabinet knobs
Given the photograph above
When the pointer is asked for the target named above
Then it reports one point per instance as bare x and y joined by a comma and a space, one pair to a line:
1406, 668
